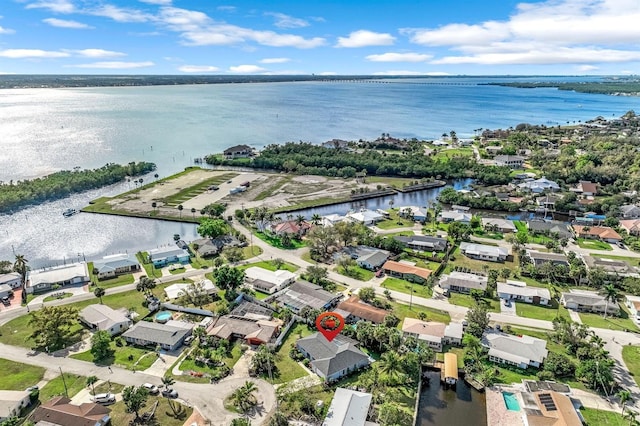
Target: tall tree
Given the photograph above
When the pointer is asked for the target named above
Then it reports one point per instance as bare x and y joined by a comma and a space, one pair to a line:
101, 345
21, 267
180, 208
477, 319
53, 326
99, 292
624, 396
213, 228
228, 277
135, 399
91, 381
145, 285
316, 274
316, 219
611, 295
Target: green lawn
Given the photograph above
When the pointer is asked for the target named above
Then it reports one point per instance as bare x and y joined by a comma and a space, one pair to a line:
399, 233
631, 357
403, 311
397, 284
306, 256
463, 261
593, 244
57, 296
190, 365
357, 273
394, 221
468, 301
594, 417
396, 182
454, 152
190, 192
277, 243
261, 296
287, 368
111, 282
458, 351
271, 266
164, 415
130, 357
251, 251
633, 261
536, 239
108, 386
176, 271
56, 386
148, 267
554, 310
623, 322
18, 376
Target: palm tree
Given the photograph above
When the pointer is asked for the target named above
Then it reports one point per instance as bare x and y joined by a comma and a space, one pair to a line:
20, 266
624, 396
91, 380
610, 294
390, 365
299, 220
391, 203
99, 292
145, 285
316, 219
154, 205
632, 416
193, 212
180, 208
167, 381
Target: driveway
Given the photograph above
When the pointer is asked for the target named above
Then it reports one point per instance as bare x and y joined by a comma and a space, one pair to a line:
508, 310
575, 316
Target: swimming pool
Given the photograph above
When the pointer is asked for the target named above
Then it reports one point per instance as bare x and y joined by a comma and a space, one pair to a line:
511, 401
163, 316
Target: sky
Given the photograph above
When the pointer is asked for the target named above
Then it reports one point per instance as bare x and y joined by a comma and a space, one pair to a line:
343, 37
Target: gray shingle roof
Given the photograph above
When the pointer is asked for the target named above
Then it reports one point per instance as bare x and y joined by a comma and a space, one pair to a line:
433, 243
331, 357
157, 333
515, 348
302, 293
111, 263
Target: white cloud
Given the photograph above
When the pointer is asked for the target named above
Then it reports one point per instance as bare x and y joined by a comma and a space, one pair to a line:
57, 6
587, 68
247, 69
182, 19
98, 53
115, 65
399, 72
159, 2
544, 56
363, 38
6, 30
286, 72
198, 68
399, 57
328, 73
64, 23
274, 60
454, 34
32, 53
286, 21
120, 14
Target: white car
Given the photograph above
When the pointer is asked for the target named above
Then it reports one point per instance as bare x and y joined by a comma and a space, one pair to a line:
104, 398
153, 389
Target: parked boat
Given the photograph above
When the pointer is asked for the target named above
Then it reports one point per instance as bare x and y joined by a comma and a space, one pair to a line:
69, 212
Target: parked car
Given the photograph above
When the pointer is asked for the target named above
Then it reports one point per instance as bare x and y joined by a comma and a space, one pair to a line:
104, 398
188, 340
6, 301
507, 302
379, 273
169, 393
153, 389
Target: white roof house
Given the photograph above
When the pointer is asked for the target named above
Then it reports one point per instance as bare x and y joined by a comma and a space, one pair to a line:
463, 282
520, 292
102, 317
348, 408
268, 281
435, 334
503, 225
539, 185
43, 279
116, 264
454, 216
12, 402
521, 351
584, 300
176, 290
332, 219
14, 279
484, 252
366, 217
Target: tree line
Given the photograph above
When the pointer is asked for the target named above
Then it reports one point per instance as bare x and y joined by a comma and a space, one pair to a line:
20, 194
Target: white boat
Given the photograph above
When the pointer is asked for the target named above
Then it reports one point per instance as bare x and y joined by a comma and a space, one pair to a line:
69, 212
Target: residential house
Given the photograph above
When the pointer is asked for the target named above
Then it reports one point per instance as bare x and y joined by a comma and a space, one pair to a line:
174, 291
521, 351
332, 219
448, 216
336, 144
588, 301
103, 318
291, 227
303, 294
423, 242
207, 247
354, 310
114, 265
586, 188
484, 252
253, 330
493, 150
518, 291
549, 408
463, 282
238, 151
632, 226
5, 290
512, 161
615, 267
539, 185
334, 359
406, 271
168, 336
435, 334
12, 279
266, 281
42, 280
539, 258
348, 408
12, 403
547, 202
602, 233
419, 214
168, 255
365, 217
633, 303
370, 258
59, 411
501, 225
551, 228
630, 211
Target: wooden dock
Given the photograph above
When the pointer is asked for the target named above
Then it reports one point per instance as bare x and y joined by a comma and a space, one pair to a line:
474, 383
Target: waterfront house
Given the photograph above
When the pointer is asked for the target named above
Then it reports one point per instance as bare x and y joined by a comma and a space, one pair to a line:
586, 188
357, 310
59, 411
168, 255
602, 233
5, 290
365, 217
512, 161
549, 408
12, 279
550, 228
291, 227
114, 265
168, 336
434, 334
540, 258
12, 402
332, 219
617, 267
484, 252
495, 224
332, 360
207, 247
103, 318
547, 202
348, 408
521, 351
238, 151
630, 211
588, 301
174, 291
493, 150
518, 291
632, 226
448, 216
633, 303
42, 280
370, 258
406, 271
336, 144
418, 214
463, 282
539, 185
266, 281
423, 242
303, 294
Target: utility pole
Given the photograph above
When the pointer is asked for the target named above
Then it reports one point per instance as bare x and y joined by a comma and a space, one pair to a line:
64, 382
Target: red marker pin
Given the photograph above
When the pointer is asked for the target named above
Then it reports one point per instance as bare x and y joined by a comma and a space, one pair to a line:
329, 324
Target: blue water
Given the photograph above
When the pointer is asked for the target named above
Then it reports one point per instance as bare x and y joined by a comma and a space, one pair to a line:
511, 401
163, 316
